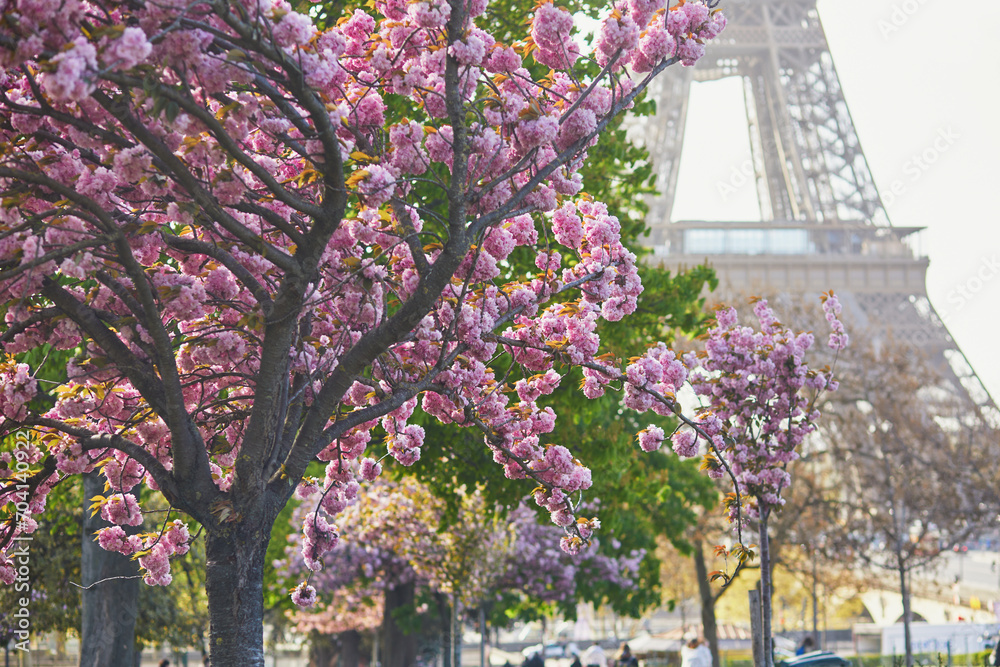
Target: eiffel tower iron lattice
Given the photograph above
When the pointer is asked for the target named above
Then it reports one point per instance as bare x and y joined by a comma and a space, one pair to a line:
822, 223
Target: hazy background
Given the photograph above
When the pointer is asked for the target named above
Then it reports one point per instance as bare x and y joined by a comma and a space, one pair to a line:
912, 71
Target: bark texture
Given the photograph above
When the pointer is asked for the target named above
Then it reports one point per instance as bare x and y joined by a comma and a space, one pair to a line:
444, 613
904, 590
765, 591
708, 623
109, 609
322, 650
350, 649
234, 583
398, 648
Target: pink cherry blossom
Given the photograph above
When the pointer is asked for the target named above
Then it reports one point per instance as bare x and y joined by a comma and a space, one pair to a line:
261, 264
122, 509
8, 571
650, 438
685, 443
73, 75
17, 388
304, 595
131, 49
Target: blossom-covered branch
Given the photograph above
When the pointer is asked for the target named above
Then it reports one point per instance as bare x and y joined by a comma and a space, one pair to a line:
266, 244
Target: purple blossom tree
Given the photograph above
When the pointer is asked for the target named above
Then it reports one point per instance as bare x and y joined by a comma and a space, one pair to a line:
759, 403
398, 535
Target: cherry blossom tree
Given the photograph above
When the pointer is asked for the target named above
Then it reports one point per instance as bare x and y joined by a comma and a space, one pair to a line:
357, 574
399, 546
399, 534
760, 401
266, 243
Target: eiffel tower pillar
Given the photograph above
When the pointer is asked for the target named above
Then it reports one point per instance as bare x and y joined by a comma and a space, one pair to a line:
822, 223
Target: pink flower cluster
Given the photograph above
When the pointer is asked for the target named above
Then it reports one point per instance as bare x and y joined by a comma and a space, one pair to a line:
304, 595
320, 537
121, 509
131, 49
73, 78
155, 550
113, 538
17, 388
156, 562
8, 570
760, 396
639, 34
370, 469
123, 472
550, 32
685, 443
656, 375
650, 438
215, 246
831, 308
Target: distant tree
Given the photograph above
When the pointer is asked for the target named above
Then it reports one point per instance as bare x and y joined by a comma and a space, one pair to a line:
53, 566
902, 446
402, 552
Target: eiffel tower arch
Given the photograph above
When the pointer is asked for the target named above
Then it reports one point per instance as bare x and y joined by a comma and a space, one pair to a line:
822, 222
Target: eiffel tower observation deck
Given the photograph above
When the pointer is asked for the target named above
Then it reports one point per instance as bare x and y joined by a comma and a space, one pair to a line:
822, 222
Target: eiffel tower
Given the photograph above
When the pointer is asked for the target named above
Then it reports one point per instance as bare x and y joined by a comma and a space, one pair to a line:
823, 224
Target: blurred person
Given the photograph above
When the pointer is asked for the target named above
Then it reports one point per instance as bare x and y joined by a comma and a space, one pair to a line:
594, 656
535, 660
805, 647
626, 659
695, 653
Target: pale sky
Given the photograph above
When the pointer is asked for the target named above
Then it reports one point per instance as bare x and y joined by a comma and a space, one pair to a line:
921, 78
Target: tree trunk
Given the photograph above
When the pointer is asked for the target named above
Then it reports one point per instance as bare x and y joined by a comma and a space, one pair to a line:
456, 631
815, 597
234, 574
904, 591
709, 627
350, 649
765, 590
542, 640
109, 609
756, 634
322, 650
398, 649
444, 612
482, 635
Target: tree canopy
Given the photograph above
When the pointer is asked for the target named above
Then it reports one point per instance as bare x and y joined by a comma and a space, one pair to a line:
266, 242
